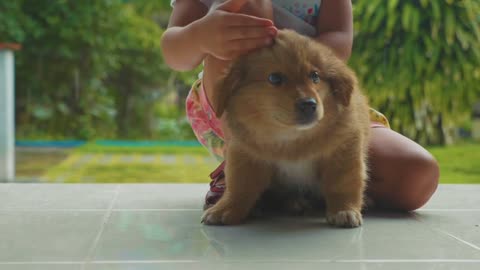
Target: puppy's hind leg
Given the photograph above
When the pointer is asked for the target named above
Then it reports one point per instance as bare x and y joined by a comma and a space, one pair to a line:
245, 181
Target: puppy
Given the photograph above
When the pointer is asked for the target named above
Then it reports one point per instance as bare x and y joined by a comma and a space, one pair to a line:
297, 119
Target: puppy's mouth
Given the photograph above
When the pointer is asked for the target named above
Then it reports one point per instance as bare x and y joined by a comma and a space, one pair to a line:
305, 126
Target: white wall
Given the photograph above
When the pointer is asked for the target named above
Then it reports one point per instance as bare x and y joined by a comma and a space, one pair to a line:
7, 126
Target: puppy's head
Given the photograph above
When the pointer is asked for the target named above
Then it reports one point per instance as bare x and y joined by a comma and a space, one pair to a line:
292, 85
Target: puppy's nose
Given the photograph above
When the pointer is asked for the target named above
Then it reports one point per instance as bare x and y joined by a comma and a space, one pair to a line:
306, 106
306, 110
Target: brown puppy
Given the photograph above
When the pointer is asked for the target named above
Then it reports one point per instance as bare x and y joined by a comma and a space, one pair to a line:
297, 118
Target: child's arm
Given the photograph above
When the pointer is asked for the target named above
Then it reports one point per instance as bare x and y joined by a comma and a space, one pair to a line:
180, 50
222, 33
335, 26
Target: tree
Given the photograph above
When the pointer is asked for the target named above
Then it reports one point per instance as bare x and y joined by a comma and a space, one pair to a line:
90, 68
419, 61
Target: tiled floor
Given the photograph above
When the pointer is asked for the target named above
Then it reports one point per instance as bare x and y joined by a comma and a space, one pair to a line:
152, 226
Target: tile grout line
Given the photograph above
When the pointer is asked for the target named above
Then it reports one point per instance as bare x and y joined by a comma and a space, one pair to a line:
100, 210
250, 261
106, 217
458, 239
178, 209
447, 210
295, 261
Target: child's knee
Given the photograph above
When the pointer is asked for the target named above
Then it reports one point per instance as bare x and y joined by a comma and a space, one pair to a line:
417, 183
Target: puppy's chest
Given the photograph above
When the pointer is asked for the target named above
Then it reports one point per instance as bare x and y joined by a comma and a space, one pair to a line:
296, 173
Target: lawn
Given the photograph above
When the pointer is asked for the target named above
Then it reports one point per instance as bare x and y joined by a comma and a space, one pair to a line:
459, 163
159, 163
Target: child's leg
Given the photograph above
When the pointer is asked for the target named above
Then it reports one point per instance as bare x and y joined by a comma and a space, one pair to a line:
403, 175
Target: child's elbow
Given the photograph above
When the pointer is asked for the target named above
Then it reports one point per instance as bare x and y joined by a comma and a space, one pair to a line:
172, 56
344, 52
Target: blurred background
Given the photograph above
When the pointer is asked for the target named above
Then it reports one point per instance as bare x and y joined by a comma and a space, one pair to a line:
94, 101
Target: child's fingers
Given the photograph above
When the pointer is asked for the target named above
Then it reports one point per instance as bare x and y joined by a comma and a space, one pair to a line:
238, 33
232, 19
242, 46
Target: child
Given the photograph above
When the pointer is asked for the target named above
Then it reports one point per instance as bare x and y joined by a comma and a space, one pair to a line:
403, 175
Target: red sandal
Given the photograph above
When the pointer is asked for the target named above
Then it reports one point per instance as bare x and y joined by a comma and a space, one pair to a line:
217, 186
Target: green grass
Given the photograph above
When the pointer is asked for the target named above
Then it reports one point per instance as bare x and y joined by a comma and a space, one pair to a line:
146, 173
458, 164
155, 149
132, 173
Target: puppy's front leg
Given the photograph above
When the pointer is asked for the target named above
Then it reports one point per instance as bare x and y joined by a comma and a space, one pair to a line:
245, 179
343, 188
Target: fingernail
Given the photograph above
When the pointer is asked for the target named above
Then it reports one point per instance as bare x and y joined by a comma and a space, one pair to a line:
269, 22
272, 32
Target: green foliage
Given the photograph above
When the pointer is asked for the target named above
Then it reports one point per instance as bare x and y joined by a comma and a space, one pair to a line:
13, 26
90, 68
419, 62
94, 69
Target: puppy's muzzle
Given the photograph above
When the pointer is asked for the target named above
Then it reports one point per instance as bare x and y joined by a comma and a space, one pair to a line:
306, 110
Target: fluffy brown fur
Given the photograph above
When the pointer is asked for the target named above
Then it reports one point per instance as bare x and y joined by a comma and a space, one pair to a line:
270, 146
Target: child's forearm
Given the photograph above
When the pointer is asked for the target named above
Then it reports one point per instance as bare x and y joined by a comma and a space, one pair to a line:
180, 50
335, 27
339, 42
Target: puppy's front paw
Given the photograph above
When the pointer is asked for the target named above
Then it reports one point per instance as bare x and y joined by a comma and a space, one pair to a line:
218, 215
346, 219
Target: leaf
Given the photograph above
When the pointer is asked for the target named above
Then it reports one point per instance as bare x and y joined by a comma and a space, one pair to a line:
406, 17
449, 26
436, 9
42, 112
392, 6
63, 108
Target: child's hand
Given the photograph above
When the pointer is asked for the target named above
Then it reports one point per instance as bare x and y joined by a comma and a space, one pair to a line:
225, 34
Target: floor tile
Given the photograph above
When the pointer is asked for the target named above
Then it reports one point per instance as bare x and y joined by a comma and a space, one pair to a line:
160, 235
56, 196
455, 197
463, 226
154, 196
403, 237
156, 226
28, 236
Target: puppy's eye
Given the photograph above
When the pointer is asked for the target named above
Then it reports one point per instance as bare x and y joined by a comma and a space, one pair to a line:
276, 78
315, 77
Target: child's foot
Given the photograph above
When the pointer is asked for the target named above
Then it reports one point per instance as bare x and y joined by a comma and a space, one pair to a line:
217, 187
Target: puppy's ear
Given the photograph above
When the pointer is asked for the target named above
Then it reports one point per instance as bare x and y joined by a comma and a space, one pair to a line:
225, 87
342, 81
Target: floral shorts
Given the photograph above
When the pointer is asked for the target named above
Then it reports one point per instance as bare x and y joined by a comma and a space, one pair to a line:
207, 127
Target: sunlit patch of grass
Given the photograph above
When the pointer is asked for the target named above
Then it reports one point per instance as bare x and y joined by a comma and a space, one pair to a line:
458, 164
143, 173
129, 168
